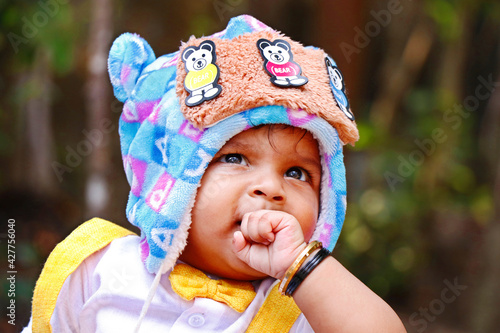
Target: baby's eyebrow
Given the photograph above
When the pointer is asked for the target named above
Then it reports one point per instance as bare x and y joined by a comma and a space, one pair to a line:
243, 146
237, 145
310, 163
233, 146
310, 160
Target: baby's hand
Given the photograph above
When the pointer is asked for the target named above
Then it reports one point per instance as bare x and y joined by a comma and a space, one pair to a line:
269, 241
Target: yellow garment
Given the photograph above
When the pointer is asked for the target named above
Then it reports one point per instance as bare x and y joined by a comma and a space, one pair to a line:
198, 79
276, 315
88, 238
189, 282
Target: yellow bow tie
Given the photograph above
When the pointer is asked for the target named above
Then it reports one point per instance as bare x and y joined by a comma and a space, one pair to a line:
188, 282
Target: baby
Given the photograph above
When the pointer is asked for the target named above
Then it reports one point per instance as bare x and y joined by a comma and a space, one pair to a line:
239, 195
267, 207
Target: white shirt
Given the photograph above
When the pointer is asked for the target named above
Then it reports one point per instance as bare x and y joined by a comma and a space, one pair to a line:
107, 291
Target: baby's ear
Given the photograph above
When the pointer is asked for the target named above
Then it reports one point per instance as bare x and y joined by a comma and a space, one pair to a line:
128, 57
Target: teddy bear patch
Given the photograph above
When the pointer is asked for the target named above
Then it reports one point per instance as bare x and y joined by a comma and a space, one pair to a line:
338, 87
278, 62
203, 73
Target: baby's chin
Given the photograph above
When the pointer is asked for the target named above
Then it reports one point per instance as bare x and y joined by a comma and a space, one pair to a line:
237, 271
243, 275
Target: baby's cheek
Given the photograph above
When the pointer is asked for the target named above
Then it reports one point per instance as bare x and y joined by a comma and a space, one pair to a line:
308, 231
309, 220
310, 227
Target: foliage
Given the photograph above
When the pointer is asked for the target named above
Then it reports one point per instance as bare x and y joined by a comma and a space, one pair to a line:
412, 181
29, 25
419, 191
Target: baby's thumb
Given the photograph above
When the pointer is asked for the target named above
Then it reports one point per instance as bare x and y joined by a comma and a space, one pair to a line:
240, 246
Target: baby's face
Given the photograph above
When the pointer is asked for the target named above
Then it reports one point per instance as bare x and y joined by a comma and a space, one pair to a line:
261, 168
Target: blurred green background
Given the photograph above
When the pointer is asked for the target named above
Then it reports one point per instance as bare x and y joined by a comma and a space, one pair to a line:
423, 219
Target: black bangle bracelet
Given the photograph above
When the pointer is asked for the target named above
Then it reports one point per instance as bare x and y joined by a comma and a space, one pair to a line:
306, 270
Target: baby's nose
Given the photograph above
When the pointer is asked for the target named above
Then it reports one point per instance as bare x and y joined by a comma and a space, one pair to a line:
277, 197
270, 188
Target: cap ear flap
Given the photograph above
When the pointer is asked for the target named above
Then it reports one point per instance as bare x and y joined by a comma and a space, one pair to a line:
128, 57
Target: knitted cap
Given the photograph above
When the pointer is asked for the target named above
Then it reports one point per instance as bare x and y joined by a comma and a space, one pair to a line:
181, 108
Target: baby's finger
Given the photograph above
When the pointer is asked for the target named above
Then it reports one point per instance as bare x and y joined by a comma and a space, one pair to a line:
241, 247
267, 222
239, 243
256, 229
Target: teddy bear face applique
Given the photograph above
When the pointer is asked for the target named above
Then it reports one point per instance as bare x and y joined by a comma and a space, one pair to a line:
338, 87
279, 64
203, 73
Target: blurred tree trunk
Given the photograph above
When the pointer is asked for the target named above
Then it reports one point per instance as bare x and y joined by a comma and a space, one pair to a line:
335, 26
449, 80
34, 169
410, 38
98, 106
485, 315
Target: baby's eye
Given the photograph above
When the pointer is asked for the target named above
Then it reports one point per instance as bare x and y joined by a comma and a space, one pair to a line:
297, 173
234, 159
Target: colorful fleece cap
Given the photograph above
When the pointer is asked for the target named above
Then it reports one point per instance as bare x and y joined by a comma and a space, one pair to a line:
181, 108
